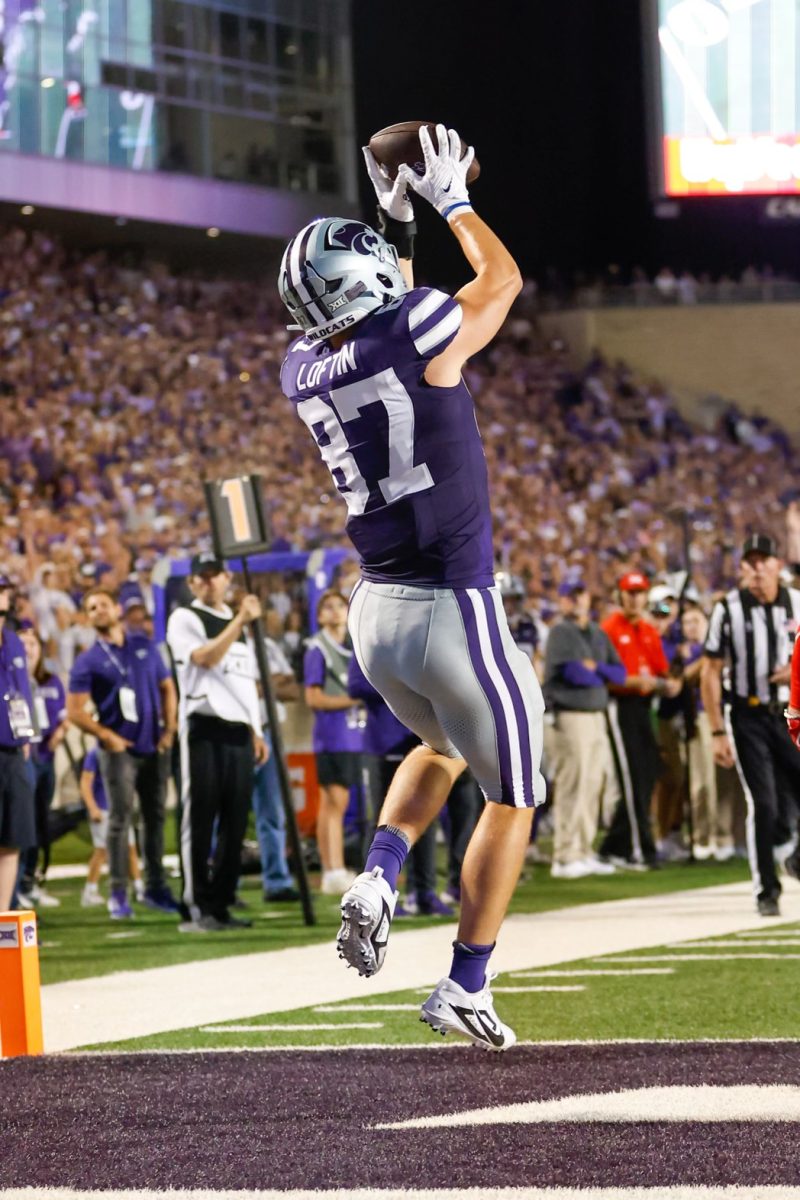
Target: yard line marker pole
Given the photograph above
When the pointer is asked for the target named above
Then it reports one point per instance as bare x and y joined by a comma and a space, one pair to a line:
20, 989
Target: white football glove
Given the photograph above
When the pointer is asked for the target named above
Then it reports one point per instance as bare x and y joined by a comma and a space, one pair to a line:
392, 197
444, 183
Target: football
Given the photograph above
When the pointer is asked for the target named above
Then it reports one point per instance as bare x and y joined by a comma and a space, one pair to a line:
400, 143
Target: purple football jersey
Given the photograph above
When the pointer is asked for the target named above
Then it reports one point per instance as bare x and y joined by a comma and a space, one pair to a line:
407, 457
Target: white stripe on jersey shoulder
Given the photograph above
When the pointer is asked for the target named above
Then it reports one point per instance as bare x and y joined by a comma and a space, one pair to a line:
440, 332
420, 312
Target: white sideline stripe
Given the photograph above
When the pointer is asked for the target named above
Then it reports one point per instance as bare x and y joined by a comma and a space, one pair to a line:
123, 934
701, 957
322, 1026
240, 987
715, 1192
337, 1008
593, 971
432, 1046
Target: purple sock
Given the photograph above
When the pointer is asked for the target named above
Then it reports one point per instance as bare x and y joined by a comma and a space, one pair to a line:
388, 851
469, 965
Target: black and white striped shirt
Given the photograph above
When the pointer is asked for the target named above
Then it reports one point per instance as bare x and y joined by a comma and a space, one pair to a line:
757, 640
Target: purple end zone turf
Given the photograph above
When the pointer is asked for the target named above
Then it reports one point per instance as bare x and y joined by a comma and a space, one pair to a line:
300, 1120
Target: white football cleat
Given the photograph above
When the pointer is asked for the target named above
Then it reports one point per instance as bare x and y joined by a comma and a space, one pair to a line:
449, 1009
367, 910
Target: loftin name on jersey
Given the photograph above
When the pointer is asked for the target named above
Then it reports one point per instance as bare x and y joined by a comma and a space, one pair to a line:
311, 375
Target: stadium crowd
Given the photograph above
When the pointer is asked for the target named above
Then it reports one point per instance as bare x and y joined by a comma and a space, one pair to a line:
123, 388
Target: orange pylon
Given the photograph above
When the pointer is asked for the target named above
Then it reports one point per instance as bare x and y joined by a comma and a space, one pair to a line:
20, 989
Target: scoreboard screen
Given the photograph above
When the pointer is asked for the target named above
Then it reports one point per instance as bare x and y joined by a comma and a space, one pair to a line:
729, 96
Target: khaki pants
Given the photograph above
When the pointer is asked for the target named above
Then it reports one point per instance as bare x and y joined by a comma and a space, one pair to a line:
707, 827
710, 827
580, 760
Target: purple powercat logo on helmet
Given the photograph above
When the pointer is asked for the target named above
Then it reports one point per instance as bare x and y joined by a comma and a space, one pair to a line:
352, 235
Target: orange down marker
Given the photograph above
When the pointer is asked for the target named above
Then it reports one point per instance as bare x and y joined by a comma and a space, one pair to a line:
20, 996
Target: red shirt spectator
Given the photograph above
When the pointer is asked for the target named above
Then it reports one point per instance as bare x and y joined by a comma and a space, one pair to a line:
637, 642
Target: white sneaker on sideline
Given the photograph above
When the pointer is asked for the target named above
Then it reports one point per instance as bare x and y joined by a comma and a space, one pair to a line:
91, 898
785, 850
701, 853
534, 857
336, 882
449, 1009
47, 900
724, 853
594, 866
367, 911
572, 870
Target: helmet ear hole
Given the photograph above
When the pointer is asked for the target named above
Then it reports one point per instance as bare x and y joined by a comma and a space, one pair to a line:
384, 280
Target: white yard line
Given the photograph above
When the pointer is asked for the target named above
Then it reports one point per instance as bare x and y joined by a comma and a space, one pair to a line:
704, 957
365, 1008
544, 987
323, 1027
130, 1004
733, 944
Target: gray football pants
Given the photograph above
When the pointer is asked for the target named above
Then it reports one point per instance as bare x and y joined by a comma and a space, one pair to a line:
445, 662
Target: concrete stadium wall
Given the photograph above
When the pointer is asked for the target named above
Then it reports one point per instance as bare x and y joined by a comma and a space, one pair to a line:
746, 353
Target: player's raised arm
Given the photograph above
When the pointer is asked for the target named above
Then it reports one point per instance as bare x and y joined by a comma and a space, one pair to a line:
486, 299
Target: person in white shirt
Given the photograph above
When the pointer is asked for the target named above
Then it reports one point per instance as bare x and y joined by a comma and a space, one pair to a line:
221, 741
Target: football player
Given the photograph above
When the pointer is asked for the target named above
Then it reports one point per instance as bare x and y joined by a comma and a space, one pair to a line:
376, 378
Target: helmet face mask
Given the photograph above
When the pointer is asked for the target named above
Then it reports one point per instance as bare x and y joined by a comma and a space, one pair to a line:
334, 273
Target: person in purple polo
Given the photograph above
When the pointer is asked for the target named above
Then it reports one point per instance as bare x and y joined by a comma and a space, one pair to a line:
17, 825
132, 691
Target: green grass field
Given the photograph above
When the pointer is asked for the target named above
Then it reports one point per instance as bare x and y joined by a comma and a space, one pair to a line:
77, 943
721, 995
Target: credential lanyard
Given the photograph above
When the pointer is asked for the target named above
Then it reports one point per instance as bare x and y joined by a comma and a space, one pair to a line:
123, 670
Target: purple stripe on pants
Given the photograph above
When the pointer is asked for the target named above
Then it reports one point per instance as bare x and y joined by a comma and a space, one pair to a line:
492, 695
517, 699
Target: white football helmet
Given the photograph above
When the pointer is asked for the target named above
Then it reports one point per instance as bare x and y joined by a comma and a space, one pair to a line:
334, 273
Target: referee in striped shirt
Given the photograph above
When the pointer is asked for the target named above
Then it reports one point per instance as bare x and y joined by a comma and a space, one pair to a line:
752, 631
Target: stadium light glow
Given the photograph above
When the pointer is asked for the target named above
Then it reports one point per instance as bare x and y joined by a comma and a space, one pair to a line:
212, 232
244, 376
48, 82
27, 209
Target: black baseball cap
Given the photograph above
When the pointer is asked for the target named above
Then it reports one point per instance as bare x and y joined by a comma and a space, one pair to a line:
206, 563
760, 543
